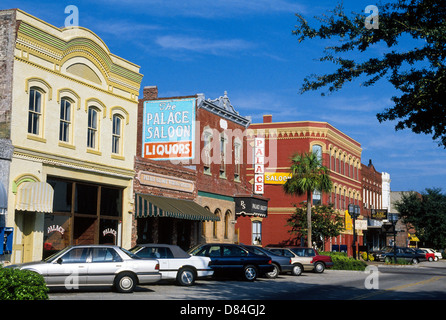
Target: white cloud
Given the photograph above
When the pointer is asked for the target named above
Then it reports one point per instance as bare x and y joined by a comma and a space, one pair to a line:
202, 45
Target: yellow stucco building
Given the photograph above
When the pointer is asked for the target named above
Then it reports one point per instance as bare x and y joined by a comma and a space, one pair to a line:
72, 125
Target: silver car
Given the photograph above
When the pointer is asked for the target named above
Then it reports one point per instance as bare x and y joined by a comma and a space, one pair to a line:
95, 265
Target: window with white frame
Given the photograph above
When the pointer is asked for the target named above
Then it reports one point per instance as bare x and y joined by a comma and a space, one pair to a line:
92, 131
34, 111
256, 232
116, 134
65, 120
237, 161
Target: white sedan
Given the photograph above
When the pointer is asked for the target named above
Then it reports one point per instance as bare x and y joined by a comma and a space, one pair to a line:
175, 263
95, 265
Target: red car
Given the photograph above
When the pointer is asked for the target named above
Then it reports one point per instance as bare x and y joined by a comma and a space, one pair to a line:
429, 255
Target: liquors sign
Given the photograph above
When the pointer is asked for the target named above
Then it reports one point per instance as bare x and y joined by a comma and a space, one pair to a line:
168, 129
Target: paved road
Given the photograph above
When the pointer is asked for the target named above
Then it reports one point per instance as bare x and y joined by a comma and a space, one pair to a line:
424, 281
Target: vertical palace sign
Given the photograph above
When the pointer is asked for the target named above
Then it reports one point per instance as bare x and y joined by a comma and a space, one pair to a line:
259, 165
168, 129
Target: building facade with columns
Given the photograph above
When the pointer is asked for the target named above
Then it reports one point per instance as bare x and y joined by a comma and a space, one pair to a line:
69, 116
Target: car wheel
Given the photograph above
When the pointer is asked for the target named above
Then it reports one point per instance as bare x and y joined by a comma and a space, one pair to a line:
297, 270
431, 259
414, 261
186, 277
250, 273
319, 267
273, 274
125, 283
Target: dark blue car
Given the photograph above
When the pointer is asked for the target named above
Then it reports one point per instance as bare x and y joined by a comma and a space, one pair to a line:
280, 263
233, 259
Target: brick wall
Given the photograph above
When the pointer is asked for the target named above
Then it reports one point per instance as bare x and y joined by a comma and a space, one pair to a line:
7, 45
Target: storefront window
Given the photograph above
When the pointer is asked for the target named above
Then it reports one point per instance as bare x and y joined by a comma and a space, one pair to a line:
86, 199
62, 195
56, 233
82, 214
111, 202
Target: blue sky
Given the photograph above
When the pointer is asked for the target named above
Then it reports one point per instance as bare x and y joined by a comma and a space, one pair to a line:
247, 49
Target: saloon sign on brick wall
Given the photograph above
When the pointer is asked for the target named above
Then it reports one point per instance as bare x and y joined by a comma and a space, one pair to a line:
168, 129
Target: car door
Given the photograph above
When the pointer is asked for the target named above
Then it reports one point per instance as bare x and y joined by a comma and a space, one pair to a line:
235, 257
103, 265
70, 270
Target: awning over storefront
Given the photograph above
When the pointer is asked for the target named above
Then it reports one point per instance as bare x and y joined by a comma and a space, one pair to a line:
154, 206
35, 197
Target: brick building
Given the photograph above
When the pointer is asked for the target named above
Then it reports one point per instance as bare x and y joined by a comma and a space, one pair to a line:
340, 153
215, 169
372, 199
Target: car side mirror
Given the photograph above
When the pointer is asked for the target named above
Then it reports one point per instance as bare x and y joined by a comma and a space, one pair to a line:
59, 261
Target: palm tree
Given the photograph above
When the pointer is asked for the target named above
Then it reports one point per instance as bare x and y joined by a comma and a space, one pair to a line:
307, 175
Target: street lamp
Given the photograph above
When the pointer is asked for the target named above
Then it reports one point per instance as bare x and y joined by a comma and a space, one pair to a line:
354, 211
393, 218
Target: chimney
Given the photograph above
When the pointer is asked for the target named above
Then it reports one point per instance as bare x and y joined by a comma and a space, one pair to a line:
150, 92
267, 118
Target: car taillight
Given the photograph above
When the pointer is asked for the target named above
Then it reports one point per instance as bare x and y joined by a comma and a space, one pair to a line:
290, 260
157, 267
270, 262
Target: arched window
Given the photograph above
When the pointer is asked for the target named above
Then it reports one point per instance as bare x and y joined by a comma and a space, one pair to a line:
65, 120
34, 111
215, 229
92, 133
227, 221
317, 149
116, 134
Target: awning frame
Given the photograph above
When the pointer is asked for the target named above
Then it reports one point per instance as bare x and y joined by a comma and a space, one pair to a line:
147, 205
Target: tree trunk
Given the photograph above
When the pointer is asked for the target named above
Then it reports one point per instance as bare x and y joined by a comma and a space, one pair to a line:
309, 240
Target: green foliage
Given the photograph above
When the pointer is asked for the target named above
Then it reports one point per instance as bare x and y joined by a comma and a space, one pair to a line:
426, 212
326, 222
418, 73
343, 262
18, 284
307, 175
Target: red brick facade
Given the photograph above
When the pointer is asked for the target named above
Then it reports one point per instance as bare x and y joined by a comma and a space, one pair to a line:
340, 153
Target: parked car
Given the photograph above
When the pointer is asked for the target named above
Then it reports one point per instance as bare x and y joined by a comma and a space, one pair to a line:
230, 259
307, 258
407, 254
377, 253
430, 256
437, 254
280, 263
175, 263
95, 265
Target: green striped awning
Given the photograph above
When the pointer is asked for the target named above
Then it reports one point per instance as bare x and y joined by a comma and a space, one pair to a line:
154, 206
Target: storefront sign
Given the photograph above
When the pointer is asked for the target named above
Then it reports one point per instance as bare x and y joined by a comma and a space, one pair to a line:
259, 165
109, 231
379, 214
251, 206
55, 228
276, 177
361, 224
163, 181
168, 129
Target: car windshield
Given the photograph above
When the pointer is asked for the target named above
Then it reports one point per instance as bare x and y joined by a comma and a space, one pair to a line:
130, 254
